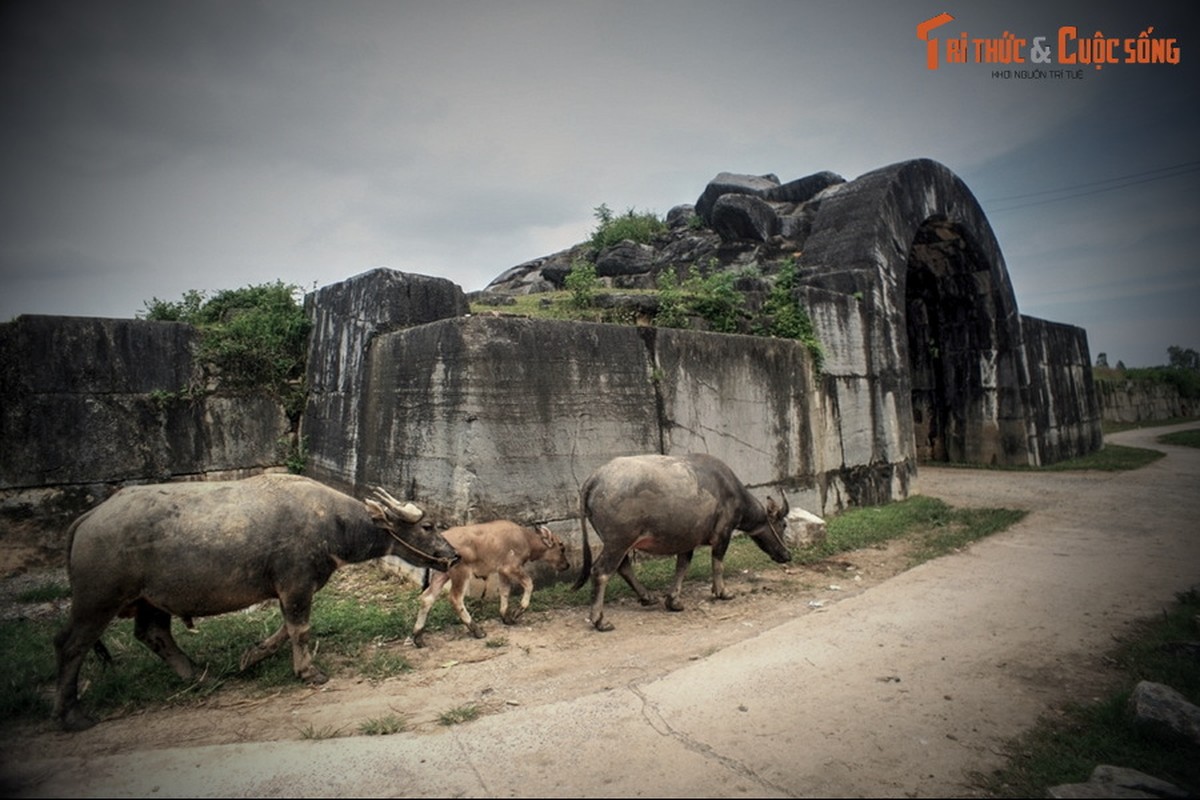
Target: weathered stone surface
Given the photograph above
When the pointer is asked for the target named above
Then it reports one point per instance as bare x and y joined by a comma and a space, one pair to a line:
732, 183
740, 216
101, 400
484, 418
346, 317
680, 216
1141, 401
1165, 713
911, 242
805, 529
1062, 405
624, 258
804, 189
908, 290
92, 355
796, 227
1117, 782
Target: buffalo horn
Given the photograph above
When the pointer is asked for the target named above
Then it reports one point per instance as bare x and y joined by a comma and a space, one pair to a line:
406, 511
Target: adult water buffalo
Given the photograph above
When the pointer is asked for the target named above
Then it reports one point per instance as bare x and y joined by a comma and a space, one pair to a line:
204, 548
669, 505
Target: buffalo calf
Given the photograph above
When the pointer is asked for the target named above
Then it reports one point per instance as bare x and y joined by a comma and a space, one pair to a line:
501, 548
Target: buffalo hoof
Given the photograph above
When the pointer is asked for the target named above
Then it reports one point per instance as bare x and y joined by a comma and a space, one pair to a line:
75, 720
602, 626
512, 617
673, 604
477, 631
648, 600
314, 676
418, 639
724, 596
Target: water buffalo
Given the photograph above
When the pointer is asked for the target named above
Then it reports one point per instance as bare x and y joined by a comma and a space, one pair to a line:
669, 505
204, 548
499, 547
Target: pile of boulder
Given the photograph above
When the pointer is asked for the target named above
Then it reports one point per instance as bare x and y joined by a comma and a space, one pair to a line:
737, 221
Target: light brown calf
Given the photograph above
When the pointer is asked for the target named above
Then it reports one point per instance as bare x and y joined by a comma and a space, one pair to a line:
501, 548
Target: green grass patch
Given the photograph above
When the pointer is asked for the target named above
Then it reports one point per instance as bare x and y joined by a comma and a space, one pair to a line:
324, 732
1110, 458
384, 726
1066, 748
459, 715
1190, 438
44, 593
934, 528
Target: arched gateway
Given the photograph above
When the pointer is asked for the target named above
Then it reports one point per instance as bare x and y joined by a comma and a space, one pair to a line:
910, 294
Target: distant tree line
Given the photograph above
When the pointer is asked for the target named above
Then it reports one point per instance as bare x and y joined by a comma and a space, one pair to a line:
1182, 371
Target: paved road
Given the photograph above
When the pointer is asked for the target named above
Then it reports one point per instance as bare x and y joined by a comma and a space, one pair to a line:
902, 689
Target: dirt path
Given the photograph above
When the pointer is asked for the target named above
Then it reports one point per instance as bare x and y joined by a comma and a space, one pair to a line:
857, 680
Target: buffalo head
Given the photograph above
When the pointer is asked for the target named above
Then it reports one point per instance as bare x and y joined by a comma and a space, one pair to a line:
769, 535
419, 543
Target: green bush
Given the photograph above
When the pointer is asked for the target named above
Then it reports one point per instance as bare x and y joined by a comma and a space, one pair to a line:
715, 298
581, 282
638, 227
1186, 381
783, 316
251, 338
672, 305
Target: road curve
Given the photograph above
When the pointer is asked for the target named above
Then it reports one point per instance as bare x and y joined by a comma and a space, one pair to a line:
903, 689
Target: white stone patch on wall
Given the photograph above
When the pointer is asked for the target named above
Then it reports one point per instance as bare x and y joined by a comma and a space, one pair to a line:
842, 335
857, 420
892, 444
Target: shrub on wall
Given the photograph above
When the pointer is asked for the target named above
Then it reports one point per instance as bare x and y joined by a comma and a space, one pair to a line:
254, 337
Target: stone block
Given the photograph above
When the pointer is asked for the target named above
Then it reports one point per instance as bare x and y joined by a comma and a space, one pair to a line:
804, 529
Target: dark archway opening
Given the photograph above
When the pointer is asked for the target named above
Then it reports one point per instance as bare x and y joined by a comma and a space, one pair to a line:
953, 344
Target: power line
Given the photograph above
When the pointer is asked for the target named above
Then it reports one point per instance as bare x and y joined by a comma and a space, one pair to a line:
1095, 187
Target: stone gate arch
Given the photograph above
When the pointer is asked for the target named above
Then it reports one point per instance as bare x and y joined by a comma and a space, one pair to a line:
933, 327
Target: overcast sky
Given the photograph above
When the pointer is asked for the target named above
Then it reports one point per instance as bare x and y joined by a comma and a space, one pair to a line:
154, 147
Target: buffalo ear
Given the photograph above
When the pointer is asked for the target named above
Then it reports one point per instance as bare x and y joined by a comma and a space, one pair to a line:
378, 512
776, 511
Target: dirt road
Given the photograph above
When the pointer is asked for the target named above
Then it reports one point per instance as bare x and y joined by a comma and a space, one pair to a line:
866, 683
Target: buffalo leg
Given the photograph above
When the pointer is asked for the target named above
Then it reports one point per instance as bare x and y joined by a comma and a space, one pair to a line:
266, 647
596, 615
152, 627
682, 562
625, 570
718, 572
71, 645
296, 610
507, 579
608, 563
458, 587
437, 580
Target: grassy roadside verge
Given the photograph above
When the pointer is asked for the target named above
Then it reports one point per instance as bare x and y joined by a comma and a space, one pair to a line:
1065, 749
